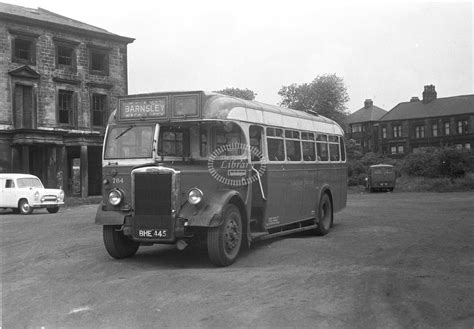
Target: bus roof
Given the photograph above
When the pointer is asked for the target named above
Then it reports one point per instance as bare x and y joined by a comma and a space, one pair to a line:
214, 106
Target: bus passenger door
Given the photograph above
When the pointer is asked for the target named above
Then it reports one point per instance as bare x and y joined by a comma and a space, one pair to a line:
258, 178
275, 184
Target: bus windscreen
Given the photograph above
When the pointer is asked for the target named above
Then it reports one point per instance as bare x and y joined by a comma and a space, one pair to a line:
126, 142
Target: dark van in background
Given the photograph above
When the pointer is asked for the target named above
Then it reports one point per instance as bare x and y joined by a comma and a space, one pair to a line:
381, 177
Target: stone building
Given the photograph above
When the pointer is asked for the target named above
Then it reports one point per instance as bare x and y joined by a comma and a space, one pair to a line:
432, 121
59, 81
363, 126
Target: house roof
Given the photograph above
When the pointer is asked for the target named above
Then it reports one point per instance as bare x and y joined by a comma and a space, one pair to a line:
366, 114
439, 107
47, 18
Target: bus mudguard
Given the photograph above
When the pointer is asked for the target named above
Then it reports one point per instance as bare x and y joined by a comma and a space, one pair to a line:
324, 189
209, 212
108, 217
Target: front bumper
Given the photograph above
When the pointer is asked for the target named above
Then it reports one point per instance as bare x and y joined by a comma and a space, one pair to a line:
47, 204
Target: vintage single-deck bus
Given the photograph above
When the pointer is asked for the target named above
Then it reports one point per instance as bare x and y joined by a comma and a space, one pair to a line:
180, 166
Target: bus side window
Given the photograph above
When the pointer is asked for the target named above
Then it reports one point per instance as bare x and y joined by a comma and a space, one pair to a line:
276, 151
292, 143
322, 147
256, 151
307, 143
343, 149
203, 131
334, 148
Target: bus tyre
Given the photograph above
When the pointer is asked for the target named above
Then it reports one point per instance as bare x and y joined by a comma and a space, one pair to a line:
118, 245
224, 241
25, 208
324, 216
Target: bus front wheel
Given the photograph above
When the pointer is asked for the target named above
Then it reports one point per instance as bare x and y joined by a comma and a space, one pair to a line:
224, 241
118, 245
324, 215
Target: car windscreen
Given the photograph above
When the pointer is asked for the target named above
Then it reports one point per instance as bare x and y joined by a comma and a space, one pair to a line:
29, 182
128, 142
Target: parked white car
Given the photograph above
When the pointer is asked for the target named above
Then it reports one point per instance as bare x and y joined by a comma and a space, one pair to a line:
23, 193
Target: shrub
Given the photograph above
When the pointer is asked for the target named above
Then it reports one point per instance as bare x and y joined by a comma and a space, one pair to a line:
453, 163
433, 163
424, 164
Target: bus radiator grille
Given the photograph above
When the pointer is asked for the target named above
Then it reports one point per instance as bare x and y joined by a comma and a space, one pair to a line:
153, 201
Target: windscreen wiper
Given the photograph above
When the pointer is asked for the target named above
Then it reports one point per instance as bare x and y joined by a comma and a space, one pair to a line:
124, 132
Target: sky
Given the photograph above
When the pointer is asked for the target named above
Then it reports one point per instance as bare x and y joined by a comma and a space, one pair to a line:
386, 51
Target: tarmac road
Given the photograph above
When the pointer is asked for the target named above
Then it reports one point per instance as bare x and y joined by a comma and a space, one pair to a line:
392, 260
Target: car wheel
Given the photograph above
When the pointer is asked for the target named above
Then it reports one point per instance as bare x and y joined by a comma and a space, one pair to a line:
25, 207
324, 216
224, 241
117, 244
52, 210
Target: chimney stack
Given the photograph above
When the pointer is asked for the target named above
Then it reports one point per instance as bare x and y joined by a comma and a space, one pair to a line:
414, 99
429, 94
368, 103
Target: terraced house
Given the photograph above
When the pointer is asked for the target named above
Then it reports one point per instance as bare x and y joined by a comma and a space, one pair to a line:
431, 121
363, 128
59, 81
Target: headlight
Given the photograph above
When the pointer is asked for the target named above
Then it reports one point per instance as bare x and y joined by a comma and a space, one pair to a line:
115, 197
61, 196
195, 196
37, 196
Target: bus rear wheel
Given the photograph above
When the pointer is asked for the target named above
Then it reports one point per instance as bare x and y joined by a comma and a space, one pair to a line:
118, 245
324, 215
224, 241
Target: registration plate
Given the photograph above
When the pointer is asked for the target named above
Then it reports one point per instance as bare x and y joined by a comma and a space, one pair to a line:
153, 234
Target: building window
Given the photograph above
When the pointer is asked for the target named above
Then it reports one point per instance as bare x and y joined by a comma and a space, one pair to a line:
99, 109
434, 130
397, 131
24, 108
64, 55
420, 131
384, 132
99, 61
24, 50
400, 149
447, 128
462, 127
356, 128
65, 107
467, 146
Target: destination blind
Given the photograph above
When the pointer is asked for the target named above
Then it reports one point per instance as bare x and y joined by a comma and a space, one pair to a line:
142, 108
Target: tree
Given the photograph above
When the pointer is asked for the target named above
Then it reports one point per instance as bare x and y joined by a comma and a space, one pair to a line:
239, 93
325, 95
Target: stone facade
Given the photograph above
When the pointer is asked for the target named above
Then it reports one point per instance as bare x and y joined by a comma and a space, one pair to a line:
59, 82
